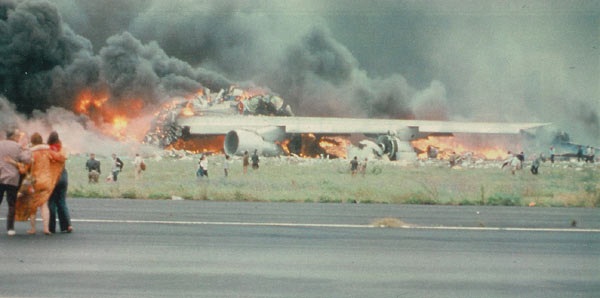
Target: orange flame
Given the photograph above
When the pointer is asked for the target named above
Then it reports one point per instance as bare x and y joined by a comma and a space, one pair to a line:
334, 146
284, 145
188, 110
447, 145
113, 119
199, 144
87, 101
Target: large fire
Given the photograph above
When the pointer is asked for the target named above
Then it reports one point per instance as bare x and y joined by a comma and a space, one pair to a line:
334, 146
200, 144
311, 145
112, 118
446, 146
121, 120
87, 102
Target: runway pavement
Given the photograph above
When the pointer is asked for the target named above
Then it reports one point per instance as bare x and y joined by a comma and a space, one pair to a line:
137, 248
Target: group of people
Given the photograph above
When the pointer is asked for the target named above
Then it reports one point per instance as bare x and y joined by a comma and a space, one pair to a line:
358, 167
34, 178
93, 167
202, 169
589, 156
516, 161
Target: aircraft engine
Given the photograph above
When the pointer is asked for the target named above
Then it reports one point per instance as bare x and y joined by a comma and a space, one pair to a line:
395, 148
239, 140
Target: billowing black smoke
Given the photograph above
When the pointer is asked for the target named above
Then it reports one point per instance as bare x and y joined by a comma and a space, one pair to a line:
44, 63
36, 51
514, 64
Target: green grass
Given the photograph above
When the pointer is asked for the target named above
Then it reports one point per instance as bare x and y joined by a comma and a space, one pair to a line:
329, 181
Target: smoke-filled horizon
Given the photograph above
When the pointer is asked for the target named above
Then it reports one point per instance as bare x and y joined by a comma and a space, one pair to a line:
534, 61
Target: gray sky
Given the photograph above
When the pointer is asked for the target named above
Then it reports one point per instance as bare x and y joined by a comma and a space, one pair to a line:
449, 60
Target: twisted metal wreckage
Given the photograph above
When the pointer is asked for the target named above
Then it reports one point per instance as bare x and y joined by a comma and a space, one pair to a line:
234, 122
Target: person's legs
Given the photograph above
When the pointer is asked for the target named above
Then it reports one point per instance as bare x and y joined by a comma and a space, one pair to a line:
64, 218
95, 175
46, 218
11, 199
32, 222
52, 208
61, 204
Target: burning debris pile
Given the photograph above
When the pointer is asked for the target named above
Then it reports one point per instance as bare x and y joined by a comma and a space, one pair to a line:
467, 147
165, 132
317, 146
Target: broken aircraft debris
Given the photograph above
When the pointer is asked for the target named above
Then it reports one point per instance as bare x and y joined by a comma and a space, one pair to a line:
237, 121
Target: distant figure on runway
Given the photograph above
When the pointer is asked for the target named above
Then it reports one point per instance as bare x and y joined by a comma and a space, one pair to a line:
536, 165
93, 167
202, 167
139, 166
246, 161
226, 164
117, 167
579, 153
354, 166
363, 167
255, 160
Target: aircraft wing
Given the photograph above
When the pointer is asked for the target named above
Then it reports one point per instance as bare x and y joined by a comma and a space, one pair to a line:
265, 133
324, 125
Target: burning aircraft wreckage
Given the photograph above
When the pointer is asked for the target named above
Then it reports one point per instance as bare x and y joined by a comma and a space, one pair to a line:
237, 120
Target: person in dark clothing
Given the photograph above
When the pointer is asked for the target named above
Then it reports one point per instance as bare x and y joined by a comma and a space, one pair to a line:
354, 166
117, 167
245, 161
536, 165
590, 154
521, 157
93, 167
255, 160
57, 204
579, 153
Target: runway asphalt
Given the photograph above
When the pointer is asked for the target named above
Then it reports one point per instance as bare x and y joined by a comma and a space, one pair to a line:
139, 248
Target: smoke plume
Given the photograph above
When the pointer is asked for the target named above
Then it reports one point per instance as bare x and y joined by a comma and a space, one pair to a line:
447, 60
